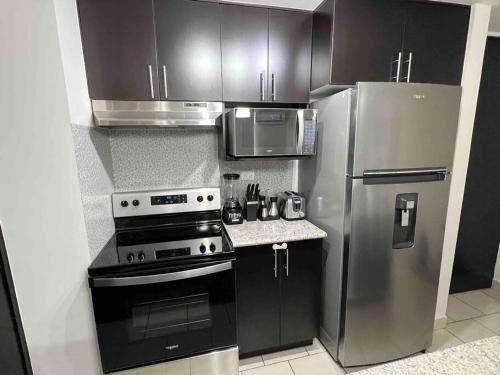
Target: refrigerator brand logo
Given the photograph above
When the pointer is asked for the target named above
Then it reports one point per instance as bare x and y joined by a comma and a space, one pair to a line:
172, 347
418, 96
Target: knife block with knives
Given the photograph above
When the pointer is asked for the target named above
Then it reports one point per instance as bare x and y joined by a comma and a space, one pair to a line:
251, 208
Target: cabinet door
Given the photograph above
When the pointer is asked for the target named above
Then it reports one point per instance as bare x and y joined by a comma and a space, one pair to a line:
118, 39
188, 43
258, 299
301, 291
367, 37
244, 53
436, 36
289, 56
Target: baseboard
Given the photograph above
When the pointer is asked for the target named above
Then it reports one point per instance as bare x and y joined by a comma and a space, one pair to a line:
496, 284
440, 323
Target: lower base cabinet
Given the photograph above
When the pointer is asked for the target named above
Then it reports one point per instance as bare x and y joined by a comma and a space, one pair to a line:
278, 290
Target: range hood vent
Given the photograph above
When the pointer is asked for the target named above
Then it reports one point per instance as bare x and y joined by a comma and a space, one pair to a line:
113, 113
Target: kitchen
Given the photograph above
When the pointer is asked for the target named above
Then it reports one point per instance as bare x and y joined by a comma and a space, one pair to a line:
146, 159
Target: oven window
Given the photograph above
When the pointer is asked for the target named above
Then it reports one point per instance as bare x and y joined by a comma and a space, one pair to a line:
170, 316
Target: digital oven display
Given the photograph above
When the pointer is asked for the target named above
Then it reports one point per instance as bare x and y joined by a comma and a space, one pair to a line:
170, 253
168, 199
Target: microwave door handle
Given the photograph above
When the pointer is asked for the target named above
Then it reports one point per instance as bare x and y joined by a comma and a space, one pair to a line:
160, 278
300, 133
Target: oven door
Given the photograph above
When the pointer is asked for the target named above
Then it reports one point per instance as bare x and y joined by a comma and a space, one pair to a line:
172, 313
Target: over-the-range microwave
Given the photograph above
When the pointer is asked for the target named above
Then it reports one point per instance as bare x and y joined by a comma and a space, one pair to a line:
271, 132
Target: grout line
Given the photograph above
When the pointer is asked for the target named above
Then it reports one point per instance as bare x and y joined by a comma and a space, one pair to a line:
482, 325
290, 365
487, 295
458, 338
468, 304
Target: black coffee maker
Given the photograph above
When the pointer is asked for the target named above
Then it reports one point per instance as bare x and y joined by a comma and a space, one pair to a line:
232, 213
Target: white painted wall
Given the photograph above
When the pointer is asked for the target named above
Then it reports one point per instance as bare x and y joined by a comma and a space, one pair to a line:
68, 26
296, 4
471, 77
40, 204
497, 267
92, 145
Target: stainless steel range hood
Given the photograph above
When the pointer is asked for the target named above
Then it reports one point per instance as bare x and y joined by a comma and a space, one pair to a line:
113, 113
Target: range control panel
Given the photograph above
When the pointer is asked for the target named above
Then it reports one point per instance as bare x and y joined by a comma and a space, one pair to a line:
168, 250
144, 203
168, 199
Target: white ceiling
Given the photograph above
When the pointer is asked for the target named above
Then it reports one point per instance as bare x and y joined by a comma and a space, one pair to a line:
312, 4
296, 4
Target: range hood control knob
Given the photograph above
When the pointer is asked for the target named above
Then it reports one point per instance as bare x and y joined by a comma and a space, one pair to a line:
210, 198
200, 198
124, 204
212, 247
130, 257
135, 202
203, 249
141, 257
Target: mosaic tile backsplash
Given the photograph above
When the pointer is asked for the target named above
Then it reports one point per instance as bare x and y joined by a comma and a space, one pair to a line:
173, 158
95, 172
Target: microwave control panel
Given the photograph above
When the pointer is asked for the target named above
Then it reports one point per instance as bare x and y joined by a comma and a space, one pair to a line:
309, 147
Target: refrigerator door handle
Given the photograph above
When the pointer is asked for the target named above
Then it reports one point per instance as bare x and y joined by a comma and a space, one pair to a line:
404, 172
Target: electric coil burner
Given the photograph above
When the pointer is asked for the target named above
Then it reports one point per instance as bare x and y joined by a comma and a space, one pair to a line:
163, 288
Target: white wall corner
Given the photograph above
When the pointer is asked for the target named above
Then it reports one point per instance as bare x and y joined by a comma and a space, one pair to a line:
75, 76
471, 78
496, 278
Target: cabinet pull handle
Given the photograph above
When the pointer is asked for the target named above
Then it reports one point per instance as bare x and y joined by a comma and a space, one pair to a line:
273, 87
409, 61
287, 267
165, 87
262, 97
150, 70
398, 70
275, 262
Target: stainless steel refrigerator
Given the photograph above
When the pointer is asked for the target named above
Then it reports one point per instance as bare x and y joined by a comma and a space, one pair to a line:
379, 186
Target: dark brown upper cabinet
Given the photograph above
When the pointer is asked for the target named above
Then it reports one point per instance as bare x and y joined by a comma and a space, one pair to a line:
436, 36
359, 44
118, 39
189, 52
265, 54
244, 53
289, 56
371, 40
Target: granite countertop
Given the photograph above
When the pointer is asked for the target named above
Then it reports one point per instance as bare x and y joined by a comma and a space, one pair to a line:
253, 233
480, 357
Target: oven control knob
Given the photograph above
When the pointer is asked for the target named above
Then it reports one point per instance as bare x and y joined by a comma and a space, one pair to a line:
200, 198
130, 257
135, 202
124, 204
210, 198
141, 257
203, 249
212, 247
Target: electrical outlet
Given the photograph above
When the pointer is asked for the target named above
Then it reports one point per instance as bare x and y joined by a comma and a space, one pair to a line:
248, 176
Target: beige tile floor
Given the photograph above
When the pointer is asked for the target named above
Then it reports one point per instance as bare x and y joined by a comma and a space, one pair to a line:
471, 316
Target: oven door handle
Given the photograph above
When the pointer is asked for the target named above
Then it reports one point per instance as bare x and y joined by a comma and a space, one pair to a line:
161, 278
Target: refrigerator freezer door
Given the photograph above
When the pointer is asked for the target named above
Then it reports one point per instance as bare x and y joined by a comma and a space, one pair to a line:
391, 292
404, 125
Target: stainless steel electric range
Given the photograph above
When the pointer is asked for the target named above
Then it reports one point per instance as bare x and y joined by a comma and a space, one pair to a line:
163, 288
